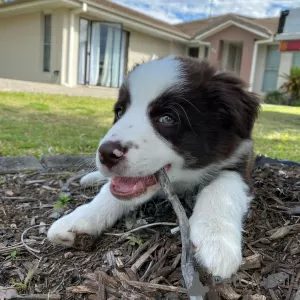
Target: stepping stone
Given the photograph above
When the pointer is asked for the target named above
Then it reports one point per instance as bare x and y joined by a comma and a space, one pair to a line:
67, 161
11, 164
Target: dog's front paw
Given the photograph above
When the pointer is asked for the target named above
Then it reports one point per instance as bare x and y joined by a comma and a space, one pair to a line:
216, 249
92, 179
64, 230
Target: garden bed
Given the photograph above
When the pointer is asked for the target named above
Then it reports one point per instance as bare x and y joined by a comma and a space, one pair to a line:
146, 263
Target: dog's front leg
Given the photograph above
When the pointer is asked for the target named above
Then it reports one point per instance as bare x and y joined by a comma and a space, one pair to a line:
92, 218
92, 179
216, 224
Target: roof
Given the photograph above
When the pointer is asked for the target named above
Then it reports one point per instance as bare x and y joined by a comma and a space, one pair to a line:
194, 28
120, 9
187, 30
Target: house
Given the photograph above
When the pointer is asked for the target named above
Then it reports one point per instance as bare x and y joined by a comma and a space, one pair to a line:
95, 42
288, 35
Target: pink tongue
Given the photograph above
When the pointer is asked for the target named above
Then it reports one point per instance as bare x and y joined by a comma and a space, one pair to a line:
128, 186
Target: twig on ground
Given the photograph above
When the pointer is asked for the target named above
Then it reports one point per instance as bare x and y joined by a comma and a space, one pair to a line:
38, 297
155, 286
143, 258
141, 227
19, 199
28, 248
187, 267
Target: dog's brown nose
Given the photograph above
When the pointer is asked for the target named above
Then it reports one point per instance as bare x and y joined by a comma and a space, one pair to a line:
111, 153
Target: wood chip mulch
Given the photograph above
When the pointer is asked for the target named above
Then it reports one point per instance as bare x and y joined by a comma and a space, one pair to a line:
144, 264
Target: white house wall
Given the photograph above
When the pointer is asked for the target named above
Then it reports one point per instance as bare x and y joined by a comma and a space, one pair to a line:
177, 48
260, 68
284, 67
142, 47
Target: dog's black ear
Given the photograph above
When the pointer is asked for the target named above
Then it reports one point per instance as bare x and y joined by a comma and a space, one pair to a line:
238, 106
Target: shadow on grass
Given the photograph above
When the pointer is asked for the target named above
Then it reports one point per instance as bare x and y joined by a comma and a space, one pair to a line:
36, 132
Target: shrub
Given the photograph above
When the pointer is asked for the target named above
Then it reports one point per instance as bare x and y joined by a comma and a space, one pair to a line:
276, 97
292, 85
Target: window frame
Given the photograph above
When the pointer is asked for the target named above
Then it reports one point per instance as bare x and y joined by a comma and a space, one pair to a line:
47, 42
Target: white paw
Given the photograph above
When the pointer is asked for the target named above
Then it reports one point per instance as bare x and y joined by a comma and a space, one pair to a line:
92, 179
64, 230
217, 249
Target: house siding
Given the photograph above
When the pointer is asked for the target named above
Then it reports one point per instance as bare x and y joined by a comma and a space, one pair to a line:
286, 62
233, 34
142, 47
22, 47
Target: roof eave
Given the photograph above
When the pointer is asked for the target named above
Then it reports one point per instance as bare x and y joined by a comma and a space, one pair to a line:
121, 17
225, 25
180, 36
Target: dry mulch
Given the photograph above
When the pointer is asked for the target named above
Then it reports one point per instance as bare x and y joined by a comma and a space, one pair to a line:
146, 263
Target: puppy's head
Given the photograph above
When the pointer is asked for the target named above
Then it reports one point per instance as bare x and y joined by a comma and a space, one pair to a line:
178, 113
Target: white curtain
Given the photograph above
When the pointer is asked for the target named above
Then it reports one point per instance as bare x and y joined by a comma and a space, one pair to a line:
122, 58
116, 49
82, 51
107, 65
95, 54
81, 65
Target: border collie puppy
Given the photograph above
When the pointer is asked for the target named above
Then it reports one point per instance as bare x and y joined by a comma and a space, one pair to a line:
181, 114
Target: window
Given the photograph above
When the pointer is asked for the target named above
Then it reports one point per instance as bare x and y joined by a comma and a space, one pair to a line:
271, 68
47, 43
296, 59
194, 52
234, 58
206, 49
103, 53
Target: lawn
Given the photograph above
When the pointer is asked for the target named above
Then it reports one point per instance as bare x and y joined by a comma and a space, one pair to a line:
277, 132
35, 124
38, 124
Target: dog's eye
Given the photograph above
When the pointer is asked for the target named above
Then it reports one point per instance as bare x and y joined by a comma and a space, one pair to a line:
119, 112
166, 119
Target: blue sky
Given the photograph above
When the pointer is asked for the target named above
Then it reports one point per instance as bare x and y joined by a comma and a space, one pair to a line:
176, 11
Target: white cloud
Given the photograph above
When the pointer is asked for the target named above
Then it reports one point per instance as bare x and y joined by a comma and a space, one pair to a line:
174, 11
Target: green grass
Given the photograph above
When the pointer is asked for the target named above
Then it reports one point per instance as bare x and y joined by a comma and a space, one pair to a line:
35, 124
277, 132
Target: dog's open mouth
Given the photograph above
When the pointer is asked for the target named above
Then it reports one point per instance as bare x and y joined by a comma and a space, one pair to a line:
127, 188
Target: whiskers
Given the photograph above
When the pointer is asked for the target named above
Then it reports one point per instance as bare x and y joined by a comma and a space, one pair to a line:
171, 103
87, 165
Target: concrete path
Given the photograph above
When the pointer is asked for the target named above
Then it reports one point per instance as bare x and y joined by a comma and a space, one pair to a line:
46, 88
16, 164
11, 164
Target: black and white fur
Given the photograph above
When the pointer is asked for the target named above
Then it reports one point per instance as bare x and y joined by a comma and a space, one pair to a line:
209, 139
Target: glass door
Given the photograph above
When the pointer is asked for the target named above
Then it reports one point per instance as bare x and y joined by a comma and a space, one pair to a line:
271, 68
110, 54
102, 54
